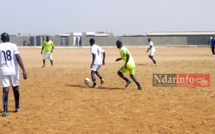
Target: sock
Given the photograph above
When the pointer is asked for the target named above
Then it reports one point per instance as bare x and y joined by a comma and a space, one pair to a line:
94, 82
154, 61
126, 79
16, 97
138, 84
99, 75
5, 99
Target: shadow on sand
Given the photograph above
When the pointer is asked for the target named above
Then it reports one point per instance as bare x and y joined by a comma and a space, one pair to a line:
84, 86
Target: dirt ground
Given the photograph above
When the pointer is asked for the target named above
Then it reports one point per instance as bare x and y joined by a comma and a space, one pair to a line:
57, 101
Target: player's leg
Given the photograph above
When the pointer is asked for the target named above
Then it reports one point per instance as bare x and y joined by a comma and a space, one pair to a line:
132, 72
135, 80
16, 98
93, 76
52, 63
97, 73
120, 73
93, 79
151, 57
15, 86
5, 100
212, 48
5, 84
51, 60
44, 62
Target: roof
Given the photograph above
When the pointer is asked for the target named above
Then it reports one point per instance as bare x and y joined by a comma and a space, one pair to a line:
180, 33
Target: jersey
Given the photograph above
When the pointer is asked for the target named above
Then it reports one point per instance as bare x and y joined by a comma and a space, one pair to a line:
9, 65
213, 42
123, 52
48, 46
98, 51
151, 44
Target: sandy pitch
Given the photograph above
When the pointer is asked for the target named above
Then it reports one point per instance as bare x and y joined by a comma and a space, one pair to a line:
57, 101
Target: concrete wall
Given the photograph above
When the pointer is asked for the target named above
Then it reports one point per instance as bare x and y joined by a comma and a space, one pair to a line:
111, 40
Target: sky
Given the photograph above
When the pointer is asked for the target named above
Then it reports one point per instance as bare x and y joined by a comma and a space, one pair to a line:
120, 17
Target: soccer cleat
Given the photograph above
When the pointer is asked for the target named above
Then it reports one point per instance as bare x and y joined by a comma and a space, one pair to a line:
17, 110
94, 86
139, 88
128, 83
5, 114
43, 66
155, 64
102, 81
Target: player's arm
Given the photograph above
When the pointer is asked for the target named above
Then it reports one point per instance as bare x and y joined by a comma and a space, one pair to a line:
149, 48
127, 59
103, 61
118, 59
42, 49
52, 49
19, 60
94, 56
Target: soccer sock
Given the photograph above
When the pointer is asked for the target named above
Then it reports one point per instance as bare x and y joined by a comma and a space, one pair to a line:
94, 82
126, 79
154, 61
16, 97
100, 77
138, 84
5, 99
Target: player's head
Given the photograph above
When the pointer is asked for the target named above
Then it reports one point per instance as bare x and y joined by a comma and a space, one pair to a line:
47, 38
118, 43
149, 39
92, 41
5, 37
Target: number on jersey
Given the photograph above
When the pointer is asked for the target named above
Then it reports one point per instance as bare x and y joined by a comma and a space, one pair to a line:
7, 55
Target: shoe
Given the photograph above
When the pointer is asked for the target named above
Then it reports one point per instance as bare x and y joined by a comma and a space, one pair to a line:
17, 109
102, 81
155, 64
94, 86
43, 66
5, 114
139, 88
128, 83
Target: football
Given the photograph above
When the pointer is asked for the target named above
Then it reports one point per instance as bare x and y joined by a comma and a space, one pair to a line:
86, 81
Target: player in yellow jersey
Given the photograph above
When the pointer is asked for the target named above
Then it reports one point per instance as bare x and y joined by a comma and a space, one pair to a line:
128, 66
49, 47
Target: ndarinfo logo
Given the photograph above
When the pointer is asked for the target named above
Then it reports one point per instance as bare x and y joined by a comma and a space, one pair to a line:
181, 80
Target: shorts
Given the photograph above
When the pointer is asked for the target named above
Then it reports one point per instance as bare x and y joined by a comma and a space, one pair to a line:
47, 56
95, 67
152, 53
7, 80
124, 70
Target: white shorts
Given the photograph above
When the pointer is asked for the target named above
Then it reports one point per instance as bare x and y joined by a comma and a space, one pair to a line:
95, 67
47, 56
152, 53
7, 80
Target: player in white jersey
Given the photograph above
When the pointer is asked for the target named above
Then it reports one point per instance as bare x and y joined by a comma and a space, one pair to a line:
152, 51
9, 60
97, 61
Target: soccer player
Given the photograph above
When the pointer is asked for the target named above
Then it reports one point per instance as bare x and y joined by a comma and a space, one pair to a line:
9, 57
128, 66
49, 47
152, 51
212, 46
97, 61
